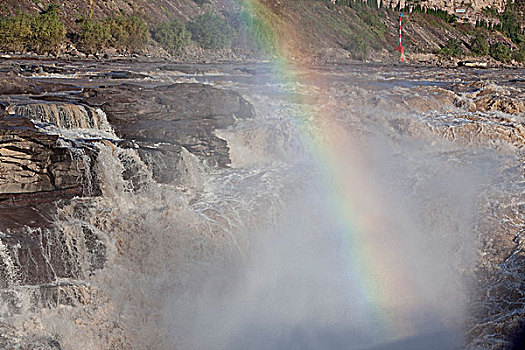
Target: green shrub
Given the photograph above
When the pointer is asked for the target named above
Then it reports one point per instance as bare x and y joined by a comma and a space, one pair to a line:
372, 18
16, 32
481, 23
211, 31
358, 46
519, 55
127, 33
173, 36
42, 33
501, 52
93, 36
490, 11
479, 45
510, 21
48, 30
510, 24
439, 13
124, 33
452, 48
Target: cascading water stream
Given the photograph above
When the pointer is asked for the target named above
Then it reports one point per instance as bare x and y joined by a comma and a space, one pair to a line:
64, 115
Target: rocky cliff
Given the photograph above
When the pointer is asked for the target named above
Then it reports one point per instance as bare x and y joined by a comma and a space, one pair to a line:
47, 157
34, 162
166, 119
151, 11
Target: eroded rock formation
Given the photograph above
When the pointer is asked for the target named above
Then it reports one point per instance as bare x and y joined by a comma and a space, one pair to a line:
165, 118
32, 161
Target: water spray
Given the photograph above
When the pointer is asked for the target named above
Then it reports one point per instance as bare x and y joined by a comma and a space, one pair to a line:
400, 48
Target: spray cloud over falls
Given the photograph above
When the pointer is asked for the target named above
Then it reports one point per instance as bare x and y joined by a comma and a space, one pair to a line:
319, 279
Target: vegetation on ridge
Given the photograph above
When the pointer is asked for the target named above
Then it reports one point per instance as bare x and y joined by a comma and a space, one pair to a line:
452, 48
479, 45
501, 52
310, 28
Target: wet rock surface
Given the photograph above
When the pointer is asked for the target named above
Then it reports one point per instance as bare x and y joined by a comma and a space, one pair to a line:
31, 161
42, 167
13, 84
165, 118
39, 170
35, 172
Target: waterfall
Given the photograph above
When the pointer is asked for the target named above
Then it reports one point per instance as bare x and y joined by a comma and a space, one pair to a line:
64, 116
54, 262
139, 240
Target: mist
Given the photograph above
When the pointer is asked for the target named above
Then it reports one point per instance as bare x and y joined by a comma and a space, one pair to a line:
300, 283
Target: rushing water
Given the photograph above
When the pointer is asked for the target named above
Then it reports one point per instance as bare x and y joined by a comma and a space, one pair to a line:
260, 255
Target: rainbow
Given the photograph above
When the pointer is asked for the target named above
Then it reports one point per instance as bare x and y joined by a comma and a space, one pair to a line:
387, 291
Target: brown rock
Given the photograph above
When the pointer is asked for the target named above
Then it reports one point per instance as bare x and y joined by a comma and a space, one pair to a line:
31, 161
13, 84
176, 115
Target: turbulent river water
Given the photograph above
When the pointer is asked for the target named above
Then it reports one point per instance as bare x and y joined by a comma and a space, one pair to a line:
364, 207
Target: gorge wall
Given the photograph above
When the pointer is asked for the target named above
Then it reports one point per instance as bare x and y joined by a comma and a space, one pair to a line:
450, 5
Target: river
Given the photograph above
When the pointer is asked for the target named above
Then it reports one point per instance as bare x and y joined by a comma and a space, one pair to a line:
336, 207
